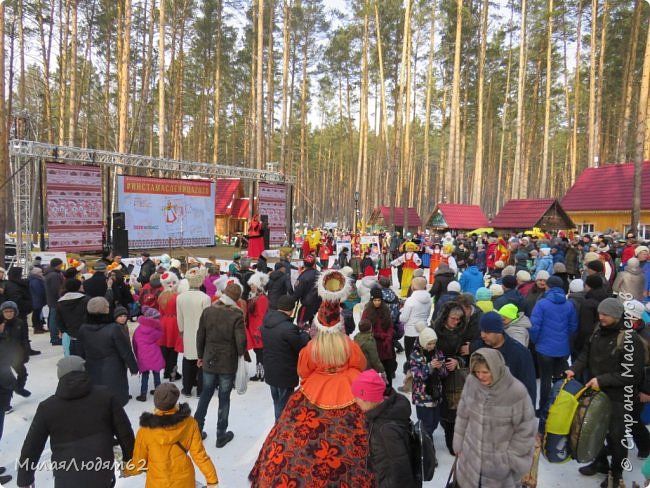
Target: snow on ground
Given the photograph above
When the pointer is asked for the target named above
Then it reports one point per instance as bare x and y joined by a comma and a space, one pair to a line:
251, 417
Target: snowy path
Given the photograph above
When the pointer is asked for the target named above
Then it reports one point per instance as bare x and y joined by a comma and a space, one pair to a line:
251, 417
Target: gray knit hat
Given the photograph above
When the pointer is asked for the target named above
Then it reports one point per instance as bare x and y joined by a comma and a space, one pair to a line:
69, 364
612, 307
98, 306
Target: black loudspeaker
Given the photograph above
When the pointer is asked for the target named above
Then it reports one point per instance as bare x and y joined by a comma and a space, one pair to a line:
121, 242
119, 221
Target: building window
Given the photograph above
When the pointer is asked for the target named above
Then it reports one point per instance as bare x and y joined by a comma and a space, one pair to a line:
586, 229
643, 233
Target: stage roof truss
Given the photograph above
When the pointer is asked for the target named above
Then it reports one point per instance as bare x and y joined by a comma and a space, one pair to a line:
25, 156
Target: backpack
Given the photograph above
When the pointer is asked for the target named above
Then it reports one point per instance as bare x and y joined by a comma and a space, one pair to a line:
556, 421
423, 453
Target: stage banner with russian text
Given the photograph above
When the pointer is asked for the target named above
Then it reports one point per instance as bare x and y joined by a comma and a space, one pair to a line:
272, 201
75, 219
163, 212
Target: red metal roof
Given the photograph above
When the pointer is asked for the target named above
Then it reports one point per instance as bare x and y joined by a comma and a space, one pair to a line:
413, 217
460, 216
226, 191
522, 213
609, 187
239, 208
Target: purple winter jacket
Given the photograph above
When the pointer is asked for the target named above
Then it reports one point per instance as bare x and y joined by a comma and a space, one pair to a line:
145, 346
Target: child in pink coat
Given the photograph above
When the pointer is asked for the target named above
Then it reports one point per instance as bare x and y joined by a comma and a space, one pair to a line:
146, 349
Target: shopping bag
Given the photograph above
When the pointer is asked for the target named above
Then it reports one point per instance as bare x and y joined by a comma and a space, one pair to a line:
241, 378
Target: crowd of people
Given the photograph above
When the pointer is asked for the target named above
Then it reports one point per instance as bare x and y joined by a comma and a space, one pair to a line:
478, 319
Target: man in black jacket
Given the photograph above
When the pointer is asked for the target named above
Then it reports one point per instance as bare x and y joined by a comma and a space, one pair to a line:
71, 314
17, 291
305, 291
614, 356
7, 382
279, 285
9, 315
282, 344
147, 268
243, 275
220, 340
81, 421
96, 285
595, 292
53, 284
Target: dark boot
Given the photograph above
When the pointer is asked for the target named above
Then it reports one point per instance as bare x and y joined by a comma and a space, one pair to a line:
614, 479
449, 437
257, 374
227, 437
598, 466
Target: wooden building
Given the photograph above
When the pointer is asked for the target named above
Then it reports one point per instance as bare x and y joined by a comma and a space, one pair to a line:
601, 199
457, 217
524, 214
380, 219
230, 208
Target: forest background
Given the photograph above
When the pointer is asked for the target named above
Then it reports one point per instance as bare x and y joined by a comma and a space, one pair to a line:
408, 102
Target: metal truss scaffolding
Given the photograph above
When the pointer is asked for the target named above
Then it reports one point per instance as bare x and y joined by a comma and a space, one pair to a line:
25, 157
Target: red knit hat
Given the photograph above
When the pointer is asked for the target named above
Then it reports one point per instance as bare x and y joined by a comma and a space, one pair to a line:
369, 386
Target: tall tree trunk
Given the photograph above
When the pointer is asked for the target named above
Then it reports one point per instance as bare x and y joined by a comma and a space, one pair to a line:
598, 123
591, 116
303, 122
72, 116
478, 161
517, 173
179, 77
397, 126
382, 88
21, 47
63, 67
406, 145
124, 33
504, 120
641, 129
259, 90
141, 113
427, 109
46, 49
547, 102
440, 182
4, 156
626, 94
217, 86
362, 157
286, 22
161, 80
270, 89
453, 164
576, 99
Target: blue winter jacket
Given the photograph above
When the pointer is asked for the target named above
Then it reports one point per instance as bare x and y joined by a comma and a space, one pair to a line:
471, 280
544, 263
553, 321
37, 291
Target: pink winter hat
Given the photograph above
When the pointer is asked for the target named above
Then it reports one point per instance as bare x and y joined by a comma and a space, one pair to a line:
369, 386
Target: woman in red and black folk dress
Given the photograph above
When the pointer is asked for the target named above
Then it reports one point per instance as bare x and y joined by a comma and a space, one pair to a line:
255, 238
320, 440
